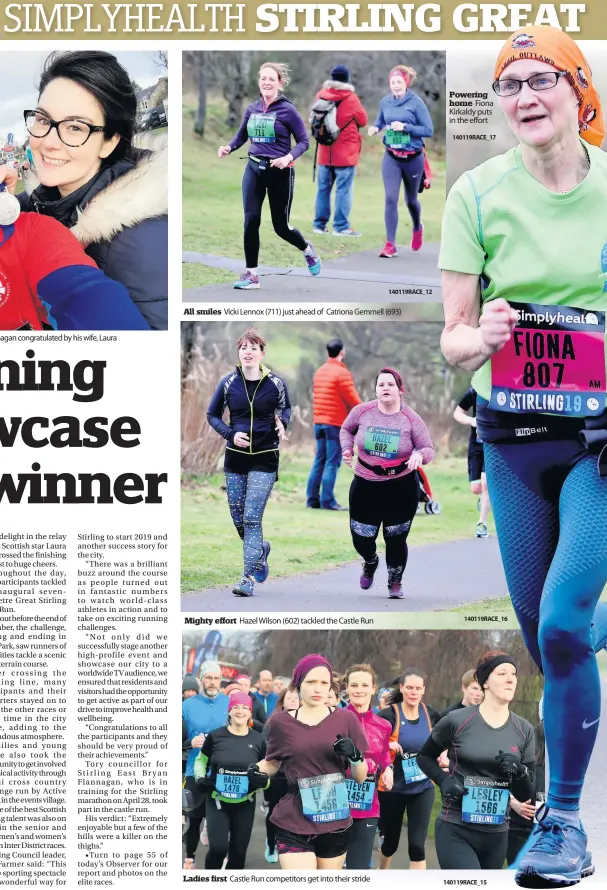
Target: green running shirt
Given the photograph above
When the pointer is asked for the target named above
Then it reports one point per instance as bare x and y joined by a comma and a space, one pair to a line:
529, 244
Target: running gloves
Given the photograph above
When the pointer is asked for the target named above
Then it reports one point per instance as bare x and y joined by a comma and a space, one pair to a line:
256, 778
345, 747
510, 765
452, 790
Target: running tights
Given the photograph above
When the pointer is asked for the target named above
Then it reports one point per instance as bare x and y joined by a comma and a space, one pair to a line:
361, 835
462, 847
395, 172
392, 503
247, 498
278, 185
393, 807
550, 508
273, 795
229, 830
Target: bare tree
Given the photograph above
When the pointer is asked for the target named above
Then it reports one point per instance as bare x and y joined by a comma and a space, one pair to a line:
161, 59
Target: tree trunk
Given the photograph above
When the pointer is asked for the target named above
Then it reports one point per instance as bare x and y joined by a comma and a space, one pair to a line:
235, 88
201, 109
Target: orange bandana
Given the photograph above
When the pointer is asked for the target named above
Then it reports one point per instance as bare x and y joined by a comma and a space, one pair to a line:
556, 48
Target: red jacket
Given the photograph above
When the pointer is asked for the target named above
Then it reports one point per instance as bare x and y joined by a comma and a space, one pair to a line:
345, 151
334, 393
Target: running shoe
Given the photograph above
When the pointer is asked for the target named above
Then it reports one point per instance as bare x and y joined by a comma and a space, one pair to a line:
189, 864
247, 281
312, 260
244, 587
395, 589
388, 250
317, 231
598, 629
271, 857
556, 856
348, 233
417, 239
262, 569
204, 834
368, 573
481, 530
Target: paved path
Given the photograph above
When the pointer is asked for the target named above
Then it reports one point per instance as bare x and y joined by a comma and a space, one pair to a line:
438, 576
360, 277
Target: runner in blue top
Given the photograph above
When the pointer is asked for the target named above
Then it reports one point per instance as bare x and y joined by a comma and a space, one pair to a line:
407, 122
270, 124
524, 257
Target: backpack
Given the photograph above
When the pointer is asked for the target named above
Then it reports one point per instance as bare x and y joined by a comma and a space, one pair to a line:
323, 121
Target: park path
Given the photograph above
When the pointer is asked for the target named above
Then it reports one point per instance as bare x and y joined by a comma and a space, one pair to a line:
438, 577
359, 277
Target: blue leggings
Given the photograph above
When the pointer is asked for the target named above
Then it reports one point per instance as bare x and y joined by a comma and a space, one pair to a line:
550, 508
247, 498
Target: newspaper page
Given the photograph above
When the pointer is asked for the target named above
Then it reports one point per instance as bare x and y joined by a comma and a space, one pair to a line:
357, 508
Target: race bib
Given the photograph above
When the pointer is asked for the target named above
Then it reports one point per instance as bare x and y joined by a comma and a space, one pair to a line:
553, 363
233, 784
360, 796
486, 802
324, 798
381, 442
397, 138
411, 770
260, 128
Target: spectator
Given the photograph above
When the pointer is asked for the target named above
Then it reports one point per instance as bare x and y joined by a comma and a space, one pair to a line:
334, 395
337, 162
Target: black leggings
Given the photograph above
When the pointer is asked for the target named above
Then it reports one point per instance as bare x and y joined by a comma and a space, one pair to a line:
229, 830
418, 808
191, 838
461, 847
361, 835
393, 504
279, 186
517, 838
276, 791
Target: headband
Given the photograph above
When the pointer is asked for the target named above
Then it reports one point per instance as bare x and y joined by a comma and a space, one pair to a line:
307, 664
486, 669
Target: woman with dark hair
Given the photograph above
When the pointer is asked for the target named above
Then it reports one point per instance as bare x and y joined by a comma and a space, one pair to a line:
525, 310
270, 125
259, 412
392, 443
491, 754
317, 746
112, 196
288, 700
411, 722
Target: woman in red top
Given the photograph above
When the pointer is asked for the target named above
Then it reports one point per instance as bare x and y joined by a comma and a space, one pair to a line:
316, 745
361, 685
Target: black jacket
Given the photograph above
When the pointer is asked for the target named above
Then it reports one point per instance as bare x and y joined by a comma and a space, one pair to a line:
120, 218
256, 416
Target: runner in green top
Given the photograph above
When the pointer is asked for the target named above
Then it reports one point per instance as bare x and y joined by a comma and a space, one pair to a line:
524, 259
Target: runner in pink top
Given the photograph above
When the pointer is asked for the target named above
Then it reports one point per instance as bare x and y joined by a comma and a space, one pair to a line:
361, 685
392, 442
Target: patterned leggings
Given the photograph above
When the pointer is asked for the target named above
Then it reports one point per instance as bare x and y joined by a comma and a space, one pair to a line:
247, 498
391, 503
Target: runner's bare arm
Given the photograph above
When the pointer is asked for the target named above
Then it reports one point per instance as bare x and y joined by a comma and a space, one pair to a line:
269, 767
358, 771
469, 339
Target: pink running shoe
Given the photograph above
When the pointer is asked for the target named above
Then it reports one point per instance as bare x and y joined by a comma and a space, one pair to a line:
417, 239
389, 249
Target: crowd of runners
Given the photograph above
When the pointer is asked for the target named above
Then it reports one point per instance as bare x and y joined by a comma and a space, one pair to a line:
343, 765
277, 136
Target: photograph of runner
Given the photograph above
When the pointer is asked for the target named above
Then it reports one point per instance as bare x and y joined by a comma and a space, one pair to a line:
535, 336
286, 424
338, 773
85, 195
293, 128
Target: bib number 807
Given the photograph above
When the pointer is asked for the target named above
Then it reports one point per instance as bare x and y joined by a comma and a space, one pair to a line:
541, 375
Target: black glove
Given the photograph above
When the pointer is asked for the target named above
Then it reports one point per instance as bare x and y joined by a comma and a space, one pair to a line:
345, 747
510, 765
206, 783
452, 790
256, 778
